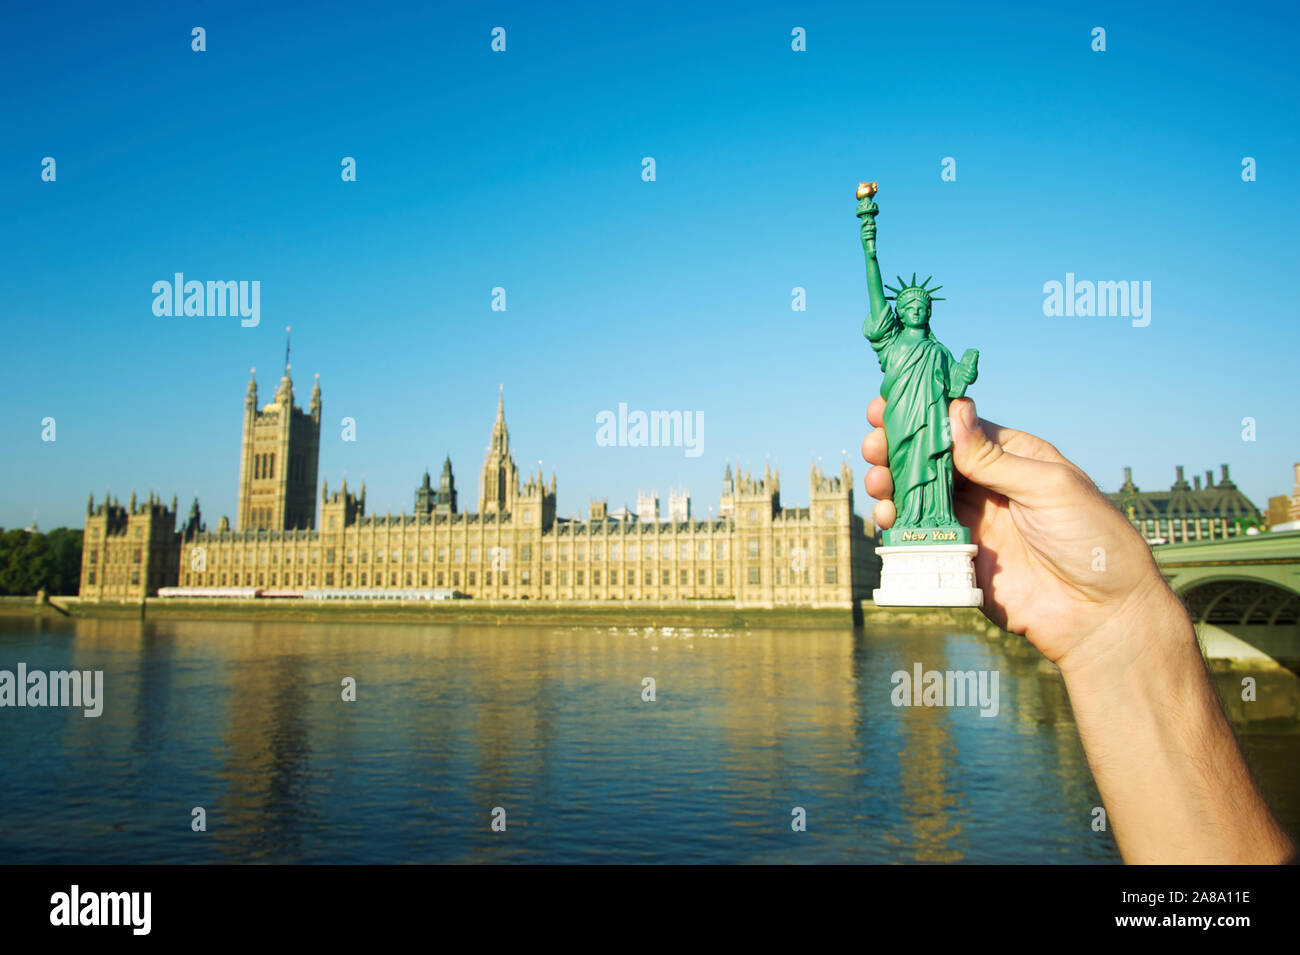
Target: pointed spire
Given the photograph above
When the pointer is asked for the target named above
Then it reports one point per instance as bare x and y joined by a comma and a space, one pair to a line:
500, 434
250, 398
284, 393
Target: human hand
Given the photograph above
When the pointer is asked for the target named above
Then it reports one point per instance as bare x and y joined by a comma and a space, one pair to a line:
1057, 562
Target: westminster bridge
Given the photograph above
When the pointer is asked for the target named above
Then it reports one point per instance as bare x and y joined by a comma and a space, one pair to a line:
1240, 590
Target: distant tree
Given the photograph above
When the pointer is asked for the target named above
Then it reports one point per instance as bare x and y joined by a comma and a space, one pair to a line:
1245, 521
65, 554
30, 561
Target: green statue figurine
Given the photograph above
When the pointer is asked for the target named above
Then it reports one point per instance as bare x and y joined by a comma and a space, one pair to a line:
927, 557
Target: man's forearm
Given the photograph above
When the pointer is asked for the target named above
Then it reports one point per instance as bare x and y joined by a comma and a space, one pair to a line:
1173, 780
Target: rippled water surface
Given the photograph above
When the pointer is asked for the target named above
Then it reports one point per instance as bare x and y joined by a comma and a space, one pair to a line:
548, 723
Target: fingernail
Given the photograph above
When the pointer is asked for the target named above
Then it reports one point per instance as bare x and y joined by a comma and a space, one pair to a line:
968, 416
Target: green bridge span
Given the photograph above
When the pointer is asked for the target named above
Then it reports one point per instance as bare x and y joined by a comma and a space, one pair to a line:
1247, 587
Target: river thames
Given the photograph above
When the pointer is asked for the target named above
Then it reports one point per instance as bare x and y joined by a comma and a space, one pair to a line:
548, 726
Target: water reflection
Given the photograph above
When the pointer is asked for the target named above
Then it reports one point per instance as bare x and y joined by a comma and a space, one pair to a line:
549, 724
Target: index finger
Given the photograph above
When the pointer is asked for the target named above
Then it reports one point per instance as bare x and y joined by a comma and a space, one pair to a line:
876, 412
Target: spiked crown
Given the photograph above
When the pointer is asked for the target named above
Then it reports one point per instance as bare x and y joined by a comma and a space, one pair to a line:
910, 291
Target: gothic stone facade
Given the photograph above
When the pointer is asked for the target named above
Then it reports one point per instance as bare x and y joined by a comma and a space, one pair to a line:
128, 552
277, 460
756, 553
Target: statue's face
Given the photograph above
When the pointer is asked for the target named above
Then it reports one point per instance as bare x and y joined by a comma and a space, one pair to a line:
915, 314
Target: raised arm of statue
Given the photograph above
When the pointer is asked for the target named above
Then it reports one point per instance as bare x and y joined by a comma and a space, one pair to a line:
882, 324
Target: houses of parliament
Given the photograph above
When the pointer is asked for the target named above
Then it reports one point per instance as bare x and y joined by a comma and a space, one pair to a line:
756, 552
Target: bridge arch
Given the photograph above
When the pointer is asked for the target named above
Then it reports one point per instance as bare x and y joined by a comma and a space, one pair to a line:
1256, 610
1241, 600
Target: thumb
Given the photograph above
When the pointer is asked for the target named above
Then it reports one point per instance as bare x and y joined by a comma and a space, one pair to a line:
987, 463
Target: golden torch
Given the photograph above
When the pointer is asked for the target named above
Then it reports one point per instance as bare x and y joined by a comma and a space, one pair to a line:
867, 207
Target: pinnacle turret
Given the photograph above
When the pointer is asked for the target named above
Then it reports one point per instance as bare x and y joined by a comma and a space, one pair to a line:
314, 408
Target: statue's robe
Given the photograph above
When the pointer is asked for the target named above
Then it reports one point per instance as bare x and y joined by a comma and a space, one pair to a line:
917, 378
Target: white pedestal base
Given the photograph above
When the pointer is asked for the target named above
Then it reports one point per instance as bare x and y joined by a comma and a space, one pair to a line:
928, 575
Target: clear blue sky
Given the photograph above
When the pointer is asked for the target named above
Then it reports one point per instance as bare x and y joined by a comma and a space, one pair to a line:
523, 170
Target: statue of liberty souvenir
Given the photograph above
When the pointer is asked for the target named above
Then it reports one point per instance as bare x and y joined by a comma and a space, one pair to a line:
927, 559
